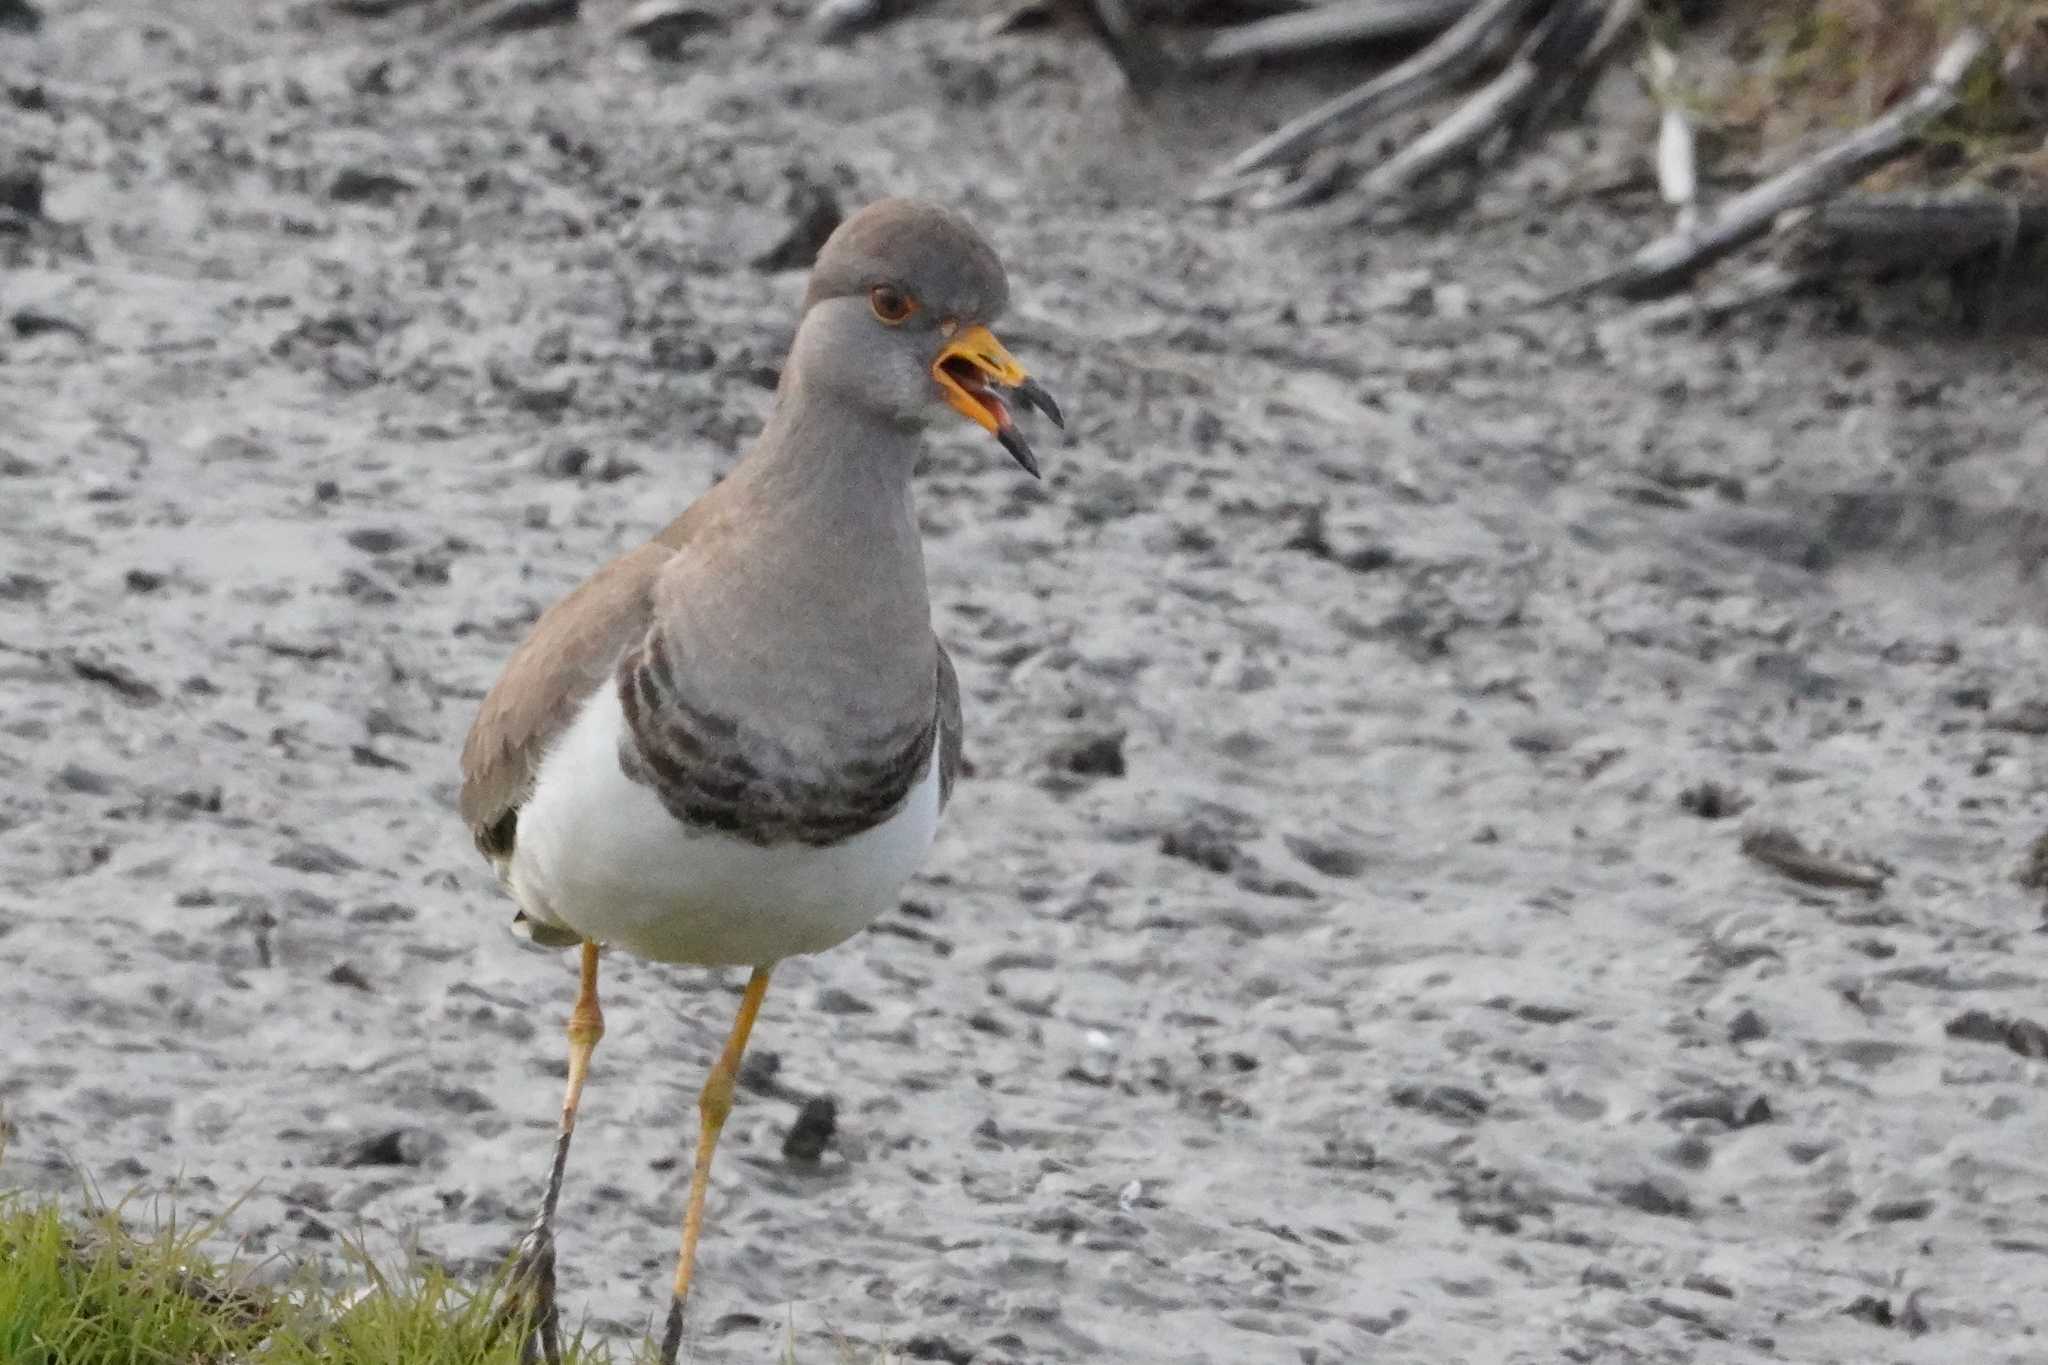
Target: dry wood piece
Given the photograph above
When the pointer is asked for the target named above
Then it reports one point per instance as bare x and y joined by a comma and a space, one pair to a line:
1550, 52
1677, 164
1482, 34
1929, 228
1327, 25
1668, 262
1780, 850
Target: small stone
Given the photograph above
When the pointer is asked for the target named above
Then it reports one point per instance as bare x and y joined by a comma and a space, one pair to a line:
665, 27
1451, 1102
1654, 1194
84, 781
565, 462
361, 185
1327, 857
345, 974
1092, 755
1712, 801
833, 1000
396, 1147
2023, 1036
376, 540
318, 859
382, 912
938, 1348
21, 187
1202, 844
1906, 1210
812, 1132
1746, 1027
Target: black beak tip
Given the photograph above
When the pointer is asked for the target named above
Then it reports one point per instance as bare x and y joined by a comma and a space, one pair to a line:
1020, 450
1034, 393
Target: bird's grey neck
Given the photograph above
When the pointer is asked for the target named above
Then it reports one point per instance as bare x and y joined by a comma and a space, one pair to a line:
817, 445
832, 558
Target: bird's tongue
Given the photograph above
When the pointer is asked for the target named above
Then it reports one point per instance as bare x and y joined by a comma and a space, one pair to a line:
977, 385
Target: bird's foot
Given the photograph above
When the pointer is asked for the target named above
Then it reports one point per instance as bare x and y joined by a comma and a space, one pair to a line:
529, 1301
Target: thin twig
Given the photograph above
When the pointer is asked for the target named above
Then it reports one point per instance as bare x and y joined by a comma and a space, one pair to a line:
1454, 55
1347, 21
1550, 52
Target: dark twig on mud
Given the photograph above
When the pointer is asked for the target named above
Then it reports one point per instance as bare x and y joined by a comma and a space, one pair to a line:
1668, 262
1327, 25
1481, 35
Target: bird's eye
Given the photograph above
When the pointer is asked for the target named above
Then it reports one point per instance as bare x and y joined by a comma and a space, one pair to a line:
891, 304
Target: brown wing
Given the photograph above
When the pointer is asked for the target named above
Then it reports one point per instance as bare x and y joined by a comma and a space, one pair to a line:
573, 649
951, 739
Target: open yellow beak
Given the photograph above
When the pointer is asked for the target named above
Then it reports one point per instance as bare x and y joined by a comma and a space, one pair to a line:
971, 369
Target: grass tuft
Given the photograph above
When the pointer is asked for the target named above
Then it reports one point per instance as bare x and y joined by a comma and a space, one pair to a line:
98, 1294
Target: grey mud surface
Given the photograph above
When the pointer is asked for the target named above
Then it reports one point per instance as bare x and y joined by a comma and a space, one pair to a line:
1344, 948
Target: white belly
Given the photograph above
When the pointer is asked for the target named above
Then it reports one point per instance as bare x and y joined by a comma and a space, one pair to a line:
600, 855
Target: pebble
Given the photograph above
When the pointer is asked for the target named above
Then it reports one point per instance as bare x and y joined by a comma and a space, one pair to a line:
315, 858
393, 1147
1327, 857
665, 27
1202, 844
1098, 754
1654, 1194
812, 1132
2023, 1036
376, 540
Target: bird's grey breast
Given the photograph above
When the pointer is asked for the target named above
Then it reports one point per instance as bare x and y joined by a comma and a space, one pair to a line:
716, 767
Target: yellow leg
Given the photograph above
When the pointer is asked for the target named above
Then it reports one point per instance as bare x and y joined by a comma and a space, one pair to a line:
532, 1294
586, 1026
712, 1107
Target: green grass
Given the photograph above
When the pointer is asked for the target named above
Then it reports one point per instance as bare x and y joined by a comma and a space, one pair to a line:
1810, 65
93, 1293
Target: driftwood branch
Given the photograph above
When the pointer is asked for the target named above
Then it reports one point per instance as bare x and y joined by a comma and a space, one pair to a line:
1327, 25
1927, 228
1453, 56
1619, 20
1552, 52
1670, 260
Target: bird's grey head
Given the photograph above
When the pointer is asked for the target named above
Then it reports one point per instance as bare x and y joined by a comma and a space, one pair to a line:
896, 323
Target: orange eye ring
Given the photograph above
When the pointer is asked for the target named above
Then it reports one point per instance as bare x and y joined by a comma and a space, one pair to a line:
891, 304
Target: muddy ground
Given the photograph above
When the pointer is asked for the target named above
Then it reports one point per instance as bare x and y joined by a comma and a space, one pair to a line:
1344, 949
